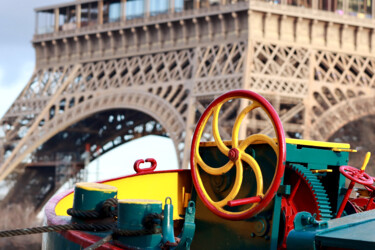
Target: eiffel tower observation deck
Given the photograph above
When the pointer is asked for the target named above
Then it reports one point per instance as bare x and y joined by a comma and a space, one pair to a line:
110, 71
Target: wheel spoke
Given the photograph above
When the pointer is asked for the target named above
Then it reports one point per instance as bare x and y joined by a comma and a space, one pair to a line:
237, 123
259, 137
214, 171
350, 171
363, 178
215, 130
294, 191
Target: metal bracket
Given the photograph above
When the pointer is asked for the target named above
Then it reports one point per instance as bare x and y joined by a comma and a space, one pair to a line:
284, 189
189, 227
305, 219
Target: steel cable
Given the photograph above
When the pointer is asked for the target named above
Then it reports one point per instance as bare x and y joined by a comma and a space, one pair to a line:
57, 228
104, 211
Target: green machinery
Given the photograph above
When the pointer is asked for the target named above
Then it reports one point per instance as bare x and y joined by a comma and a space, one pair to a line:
274, 193
312, 183
255, 192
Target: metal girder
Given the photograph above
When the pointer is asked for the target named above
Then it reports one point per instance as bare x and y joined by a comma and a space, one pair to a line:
316, 69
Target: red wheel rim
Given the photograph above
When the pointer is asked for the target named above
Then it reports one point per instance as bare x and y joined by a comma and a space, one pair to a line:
371, 187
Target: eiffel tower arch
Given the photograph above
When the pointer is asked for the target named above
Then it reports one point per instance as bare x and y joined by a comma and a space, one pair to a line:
83, 90
103, 81
342, 114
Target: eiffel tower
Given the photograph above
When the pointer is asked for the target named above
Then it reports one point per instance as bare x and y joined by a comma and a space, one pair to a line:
110, 71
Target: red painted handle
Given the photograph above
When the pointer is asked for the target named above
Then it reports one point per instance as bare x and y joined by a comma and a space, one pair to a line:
244, 201
145, 170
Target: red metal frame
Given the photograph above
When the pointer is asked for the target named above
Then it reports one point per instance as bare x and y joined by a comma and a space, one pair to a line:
271, 192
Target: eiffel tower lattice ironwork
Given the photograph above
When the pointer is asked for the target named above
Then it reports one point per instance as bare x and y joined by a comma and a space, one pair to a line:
105, 82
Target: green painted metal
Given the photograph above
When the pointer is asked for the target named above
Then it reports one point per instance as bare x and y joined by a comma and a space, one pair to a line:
262, 231
301, 238
167, 223
354, 231
315, 157
131, 214
276, 217
130, 218
305, 220
258, 232
350, 232
91, 199
188, 230
321, 158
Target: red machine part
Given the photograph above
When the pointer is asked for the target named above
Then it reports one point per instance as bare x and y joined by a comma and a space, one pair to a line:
261, 201
356, 176
365, 204
306, 195
145, 170
289, 210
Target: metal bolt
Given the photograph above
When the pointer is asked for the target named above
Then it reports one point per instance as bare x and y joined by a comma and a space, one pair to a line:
190, 210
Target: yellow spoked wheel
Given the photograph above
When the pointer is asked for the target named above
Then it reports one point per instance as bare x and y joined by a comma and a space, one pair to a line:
236, 156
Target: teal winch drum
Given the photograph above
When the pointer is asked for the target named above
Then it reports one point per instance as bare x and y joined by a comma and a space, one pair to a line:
90, 196
132, 214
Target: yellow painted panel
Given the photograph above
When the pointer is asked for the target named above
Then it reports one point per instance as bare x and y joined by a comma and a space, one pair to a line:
64, 204
290, 141
320, 144
344, 150
138, 201
93, 186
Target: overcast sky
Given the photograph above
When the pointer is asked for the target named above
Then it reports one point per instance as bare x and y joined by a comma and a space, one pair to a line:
17, 26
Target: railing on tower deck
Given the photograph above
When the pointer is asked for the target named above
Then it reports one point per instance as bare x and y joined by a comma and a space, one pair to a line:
86, 15
93, 15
